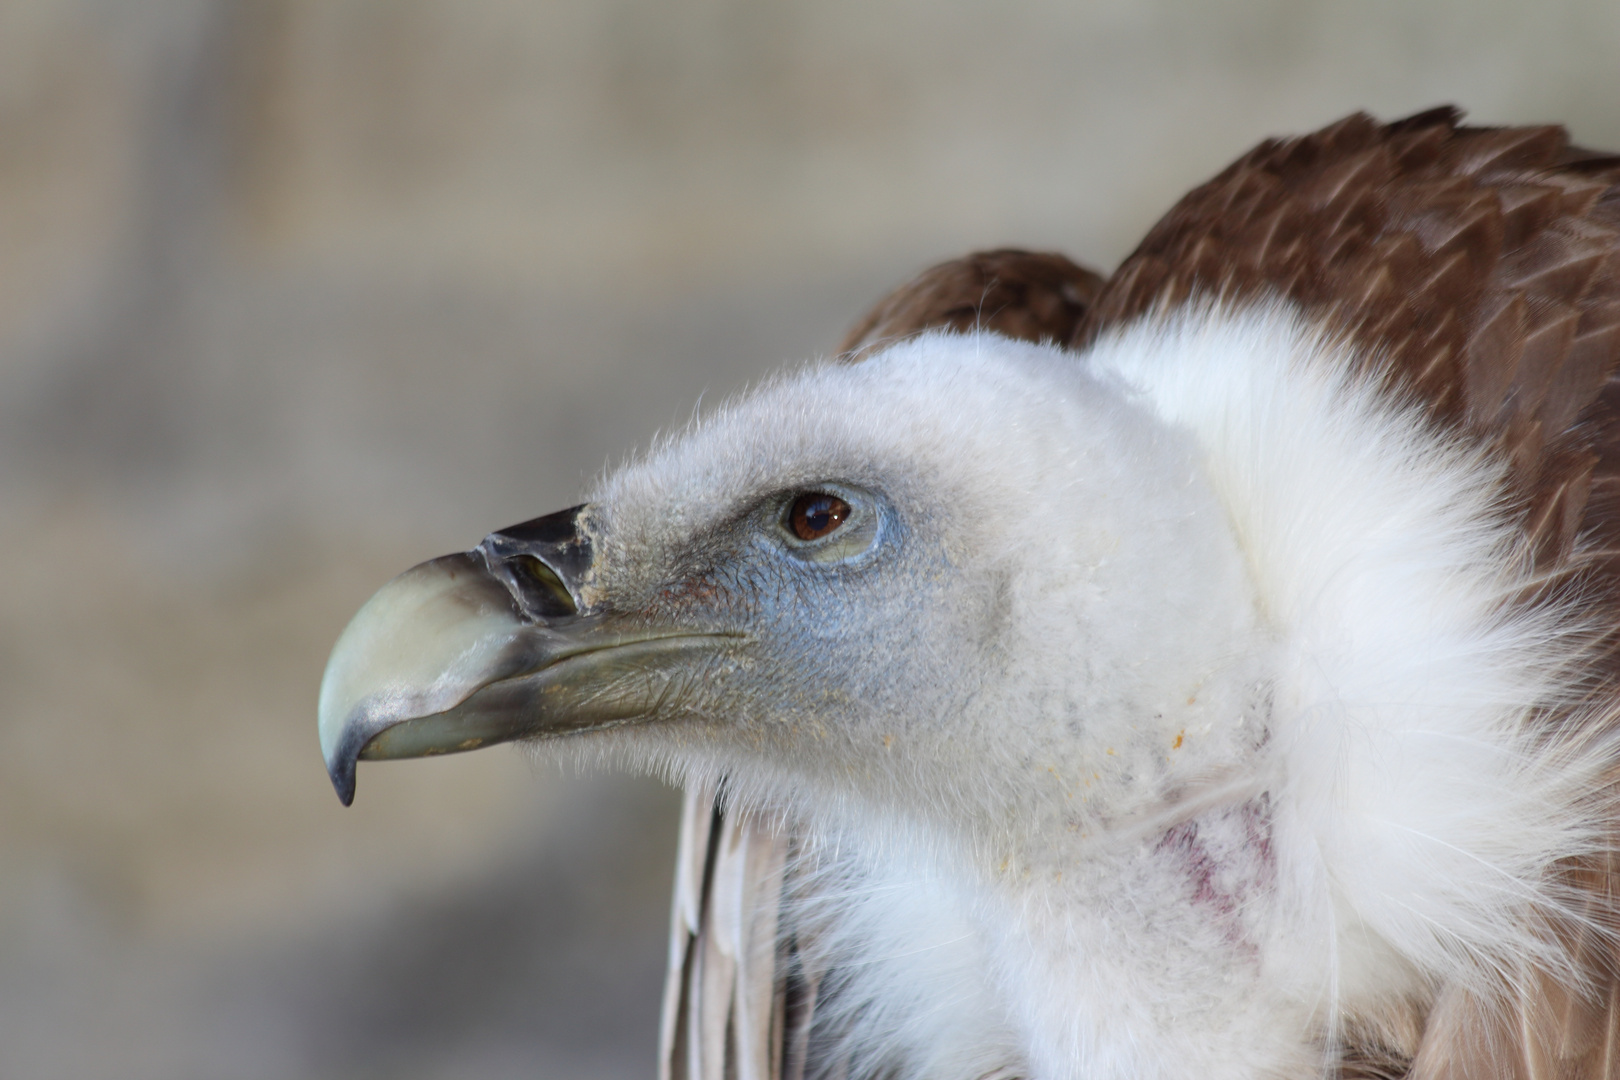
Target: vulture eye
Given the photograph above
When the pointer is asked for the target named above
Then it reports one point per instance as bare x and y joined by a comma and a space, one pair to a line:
816, 514
831, 525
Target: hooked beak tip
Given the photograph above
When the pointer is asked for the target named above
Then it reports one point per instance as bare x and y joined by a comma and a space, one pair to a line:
395, 661
341, 766
342, 773
343, 782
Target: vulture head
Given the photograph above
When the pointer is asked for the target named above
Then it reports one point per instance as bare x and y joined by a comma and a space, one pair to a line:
966, 583
1218, 689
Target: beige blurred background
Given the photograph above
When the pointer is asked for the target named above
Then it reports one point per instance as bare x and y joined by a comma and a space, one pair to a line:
294, 293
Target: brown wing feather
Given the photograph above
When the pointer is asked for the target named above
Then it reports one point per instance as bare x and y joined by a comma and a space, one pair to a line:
1480, 270
1022, 294
724, 998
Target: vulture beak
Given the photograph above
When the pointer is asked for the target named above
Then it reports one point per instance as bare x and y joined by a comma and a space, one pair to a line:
487, 646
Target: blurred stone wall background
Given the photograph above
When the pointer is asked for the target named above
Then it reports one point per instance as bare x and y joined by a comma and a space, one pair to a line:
294, 293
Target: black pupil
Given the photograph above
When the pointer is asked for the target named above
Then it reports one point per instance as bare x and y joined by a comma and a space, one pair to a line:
814, 516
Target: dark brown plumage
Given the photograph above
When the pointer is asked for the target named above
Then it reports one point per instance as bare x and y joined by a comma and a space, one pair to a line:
1021, 294
1479, 269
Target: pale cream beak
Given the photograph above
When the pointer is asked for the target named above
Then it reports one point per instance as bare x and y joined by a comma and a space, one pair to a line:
491, 645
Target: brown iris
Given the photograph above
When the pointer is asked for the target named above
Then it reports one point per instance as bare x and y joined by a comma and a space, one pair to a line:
816, 515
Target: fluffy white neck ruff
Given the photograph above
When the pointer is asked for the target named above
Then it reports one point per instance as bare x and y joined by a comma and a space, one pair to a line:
1402, 806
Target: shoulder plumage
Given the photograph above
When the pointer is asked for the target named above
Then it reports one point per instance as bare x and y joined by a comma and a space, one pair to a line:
1479, 268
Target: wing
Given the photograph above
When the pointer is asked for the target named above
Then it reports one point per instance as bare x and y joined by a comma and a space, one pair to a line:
1479, 269
724, 999
740, 996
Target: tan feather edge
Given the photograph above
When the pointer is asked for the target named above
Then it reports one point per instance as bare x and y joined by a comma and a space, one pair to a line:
722, 1015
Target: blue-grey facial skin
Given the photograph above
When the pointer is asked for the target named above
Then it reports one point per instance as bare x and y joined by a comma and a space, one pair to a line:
830, 631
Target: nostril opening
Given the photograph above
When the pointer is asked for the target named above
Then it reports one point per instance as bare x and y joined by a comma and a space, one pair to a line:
540, 589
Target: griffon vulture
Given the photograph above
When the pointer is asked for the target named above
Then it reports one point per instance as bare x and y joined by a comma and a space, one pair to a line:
1207, 672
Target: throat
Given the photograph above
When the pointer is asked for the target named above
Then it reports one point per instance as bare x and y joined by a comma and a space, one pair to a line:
1154, 956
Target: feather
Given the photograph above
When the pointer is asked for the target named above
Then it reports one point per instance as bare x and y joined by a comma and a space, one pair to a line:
724, 1003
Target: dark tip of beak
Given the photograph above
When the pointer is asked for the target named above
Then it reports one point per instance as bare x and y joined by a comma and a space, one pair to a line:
343, 782
341, 768
543, 562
